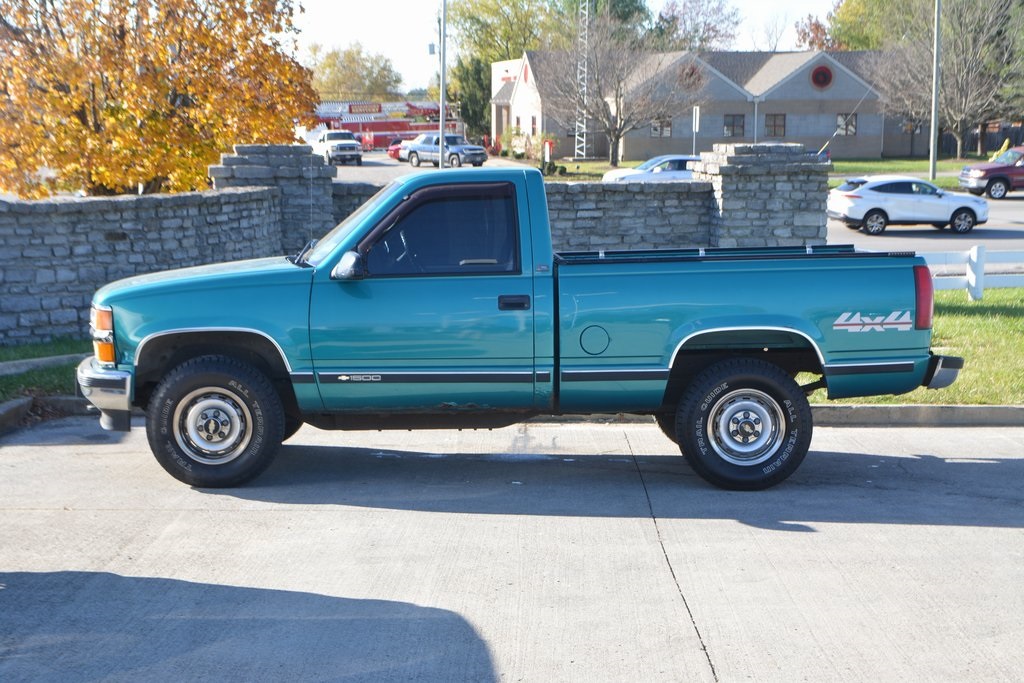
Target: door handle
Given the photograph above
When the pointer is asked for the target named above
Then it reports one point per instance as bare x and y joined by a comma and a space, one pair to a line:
514, 302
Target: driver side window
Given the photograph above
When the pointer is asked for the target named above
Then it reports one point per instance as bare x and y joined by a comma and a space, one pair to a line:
449, 236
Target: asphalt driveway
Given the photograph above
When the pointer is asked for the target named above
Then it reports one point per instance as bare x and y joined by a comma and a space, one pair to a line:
545, 552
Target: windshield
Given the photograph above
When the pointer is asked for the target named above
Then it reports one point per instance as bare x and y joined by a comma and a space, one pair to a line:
650, 163
332, 239
454, 140
345, 135
1009, 157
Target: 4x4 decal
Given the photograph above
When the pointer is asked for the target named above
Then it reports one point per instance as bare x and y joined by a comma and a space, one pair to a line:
901, 321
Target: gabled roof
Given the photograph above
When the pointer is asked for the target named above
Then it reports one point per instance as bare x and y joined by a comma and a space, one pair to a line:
504, 95
777, 69
752, 73
542, 63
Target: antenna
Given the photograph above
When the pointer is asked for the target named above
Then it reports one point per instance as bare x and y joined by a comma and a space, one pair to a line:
582, 50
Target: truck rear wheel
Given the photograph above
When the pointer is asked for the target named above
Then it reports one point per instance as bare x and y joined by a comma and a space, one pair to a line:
215, 421
414, 159
744, 424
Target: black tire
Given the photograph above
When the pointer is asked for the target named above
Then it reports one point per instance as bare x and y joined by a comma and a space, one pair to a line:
359, 161
667, 424
478, 165
875, 222
963, 221
852, 226
454, 161
997, 188
292, 424
744, 424
977, 193
414, 159
939, 226
186, 408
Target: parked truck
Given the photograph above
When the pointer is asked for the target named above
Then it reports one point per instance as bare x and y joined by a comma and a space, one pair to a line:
440, 304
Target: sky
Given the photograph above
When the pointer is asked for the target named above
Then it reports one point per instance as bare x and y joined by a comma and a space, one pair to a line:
402, 30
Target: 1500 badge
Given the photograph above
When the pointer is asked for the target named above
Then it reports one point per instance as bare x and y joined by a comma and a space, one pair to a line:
901, 321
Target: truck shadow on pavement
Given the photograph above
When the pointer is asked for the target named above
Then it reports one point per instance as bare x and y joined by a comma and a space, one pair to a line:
829, 487
83, 626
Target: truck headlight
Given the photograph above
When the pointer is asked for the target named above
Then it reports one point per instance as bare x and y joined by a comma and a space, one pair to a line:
976, 173
101, 326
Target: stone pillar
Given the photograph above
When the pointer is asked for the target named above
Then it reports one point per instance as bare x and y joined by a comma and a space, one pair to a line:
768, 195
302, 178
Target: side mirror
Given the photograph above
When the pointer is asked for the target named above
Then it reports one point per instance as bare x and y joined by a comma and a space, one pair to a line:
350, 267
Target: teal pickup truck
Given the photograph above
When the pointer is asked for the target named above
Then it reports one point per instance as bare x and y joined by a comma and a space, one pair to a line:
440, 304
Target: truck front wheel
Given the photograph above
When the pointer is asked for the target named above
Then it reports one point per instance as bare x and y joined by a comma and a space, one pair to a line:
215, 421
744, 424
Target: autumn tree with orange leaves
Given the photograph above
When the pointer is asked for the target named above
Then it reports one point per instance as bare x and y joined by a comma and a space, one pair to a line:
141, 95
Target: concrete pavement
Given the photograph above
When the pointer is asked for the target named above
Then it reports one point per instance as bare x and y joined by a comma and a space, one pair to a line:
541, 552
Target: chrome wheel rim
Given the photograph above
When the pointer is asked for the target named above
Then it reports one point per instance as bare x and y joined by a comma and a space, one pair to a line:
998, 191
962, 222
746, 427
212, 425
874, 224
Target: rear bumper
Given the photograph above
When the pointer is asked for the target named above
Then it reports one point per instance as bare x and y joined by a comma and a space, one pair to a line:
845, 218
942, 371
108, 390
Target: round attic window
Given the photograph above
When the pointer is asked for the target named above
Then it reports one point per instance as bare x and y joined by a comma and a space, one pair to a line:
821, 77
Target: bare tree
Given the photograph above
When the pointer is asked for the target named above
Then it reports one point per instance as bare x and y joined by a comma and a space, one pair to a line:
696, 25
771, 33
977, 51
628, 86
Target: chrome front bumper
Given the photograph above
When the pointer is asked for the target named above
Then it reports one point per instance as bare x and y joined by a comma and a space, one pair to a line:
110, 391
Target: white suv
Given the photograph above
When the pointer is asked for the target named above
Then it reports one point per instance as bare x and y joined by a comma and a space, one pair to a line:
873, 202
339, 146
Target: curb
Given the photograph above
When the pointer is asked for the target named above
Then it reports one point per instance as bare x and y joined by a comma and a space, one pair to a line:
13, 412
917, 416
17, 367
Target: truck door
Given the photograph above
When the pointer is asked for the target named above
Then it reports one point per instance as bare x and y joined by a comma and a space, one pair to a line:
442, 318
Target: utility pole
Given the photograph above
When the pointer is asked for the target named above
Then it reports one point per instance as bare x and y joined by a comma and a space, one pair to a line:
443, 113
936, 73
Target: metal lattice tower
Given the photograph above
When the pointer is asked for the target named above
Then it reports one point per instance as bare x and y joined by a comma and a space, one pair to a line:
582, 48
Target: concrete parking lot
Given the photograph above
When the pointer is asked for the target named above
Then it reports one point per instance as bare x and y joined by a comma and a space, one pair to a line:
541, 552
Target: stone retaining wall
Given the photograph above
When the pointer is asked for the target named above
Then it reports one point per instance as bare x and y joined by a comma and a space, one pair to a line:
271, 199
301, 176
57, 252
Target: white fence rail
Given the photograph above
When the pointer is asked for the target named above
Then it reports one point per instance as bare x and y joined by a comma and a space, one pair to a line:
975, 263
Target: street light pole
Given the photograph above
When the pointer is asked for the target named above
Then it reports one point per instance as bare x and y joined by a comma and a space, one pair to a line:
444, 31
936, 46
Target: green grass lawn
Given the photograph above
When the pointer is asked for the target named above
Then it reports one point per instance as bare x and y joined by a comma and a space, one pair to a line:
54, 381
57, 347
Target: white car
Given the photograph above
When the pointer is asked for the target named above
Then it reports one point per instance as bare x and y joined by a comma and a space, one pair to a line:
662, 168
872, 203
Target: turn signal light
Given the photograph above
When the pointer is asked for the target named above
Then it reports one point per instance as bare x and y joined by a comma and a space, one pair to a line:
101, 321
104, 351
